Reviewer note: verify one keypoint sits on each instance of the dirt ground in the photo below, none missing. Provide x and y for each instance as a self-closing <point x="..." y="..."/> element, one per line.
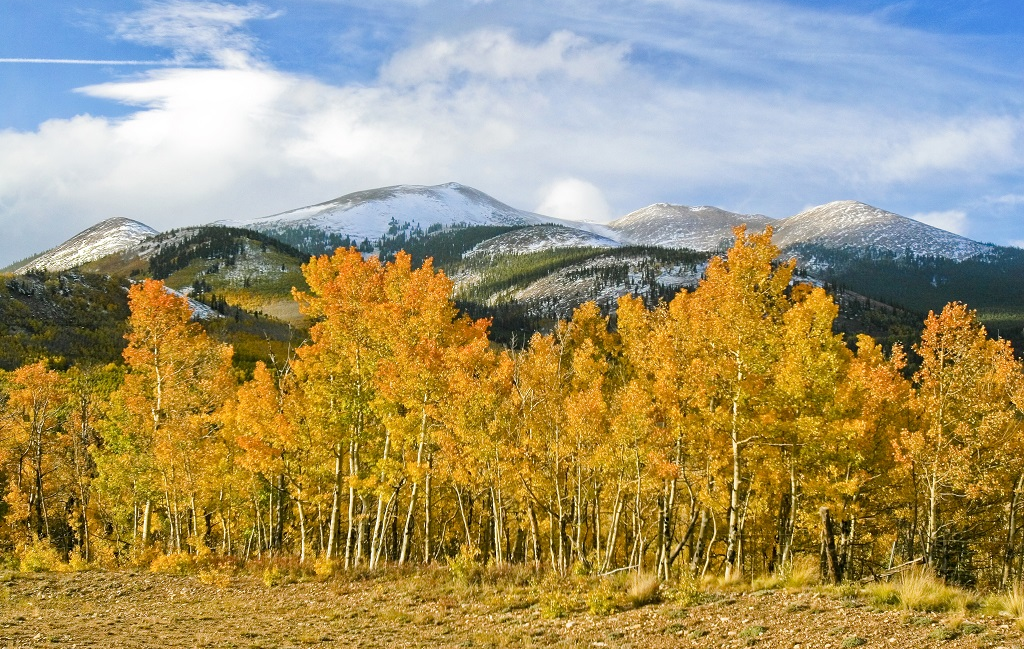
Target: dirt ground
<point x="123" y="609"/>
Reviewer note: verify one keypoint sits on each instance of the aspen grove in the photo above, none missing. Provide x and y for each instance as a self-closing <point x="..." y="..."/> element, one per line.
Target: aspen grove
<point x="728" y="431"/>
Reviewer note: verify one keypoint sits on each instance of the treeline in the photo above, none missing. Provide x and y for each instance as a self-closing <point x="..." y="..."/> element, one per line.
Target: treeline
<point x="727" y="431"/>
<point x="444" y="246"/>
<point x="314" y="241"/>
<point x="219" y="244"/>
<point x="992" y="283"/>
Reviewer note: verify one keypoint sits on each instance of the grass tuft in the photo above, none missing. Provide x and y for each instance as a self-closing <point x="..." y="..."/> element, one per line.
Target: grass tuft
<point x="801" y="573"/>
<point x="645" y="589"/>
<point x="753" y="632"/>
<point x="920" y="590"/>
<point x="1012" y="604"/>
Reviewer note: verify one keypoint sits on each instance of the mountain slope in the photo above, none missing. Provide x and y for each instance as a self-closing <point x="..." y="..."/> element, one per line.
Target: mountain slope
<point x="220" y="265"/>
<point x="104" y="238"/>
<point x="680" y="226"/>
<point x="67" y="317"/>
<point x="374" y="213"/>
<point x="541" y="237"/>
<point x="849" y="224"/>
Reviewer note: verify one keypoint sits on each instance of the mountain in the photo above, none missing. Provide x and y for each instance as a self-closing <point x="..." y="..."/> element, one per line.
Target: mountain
<point x="104" y="238"/>
<point x="404" y="214"/>
<point x="524" y="269"/>
<point x="842" y="225"/>
<point x="376" y="213"/>
<point x="849" y="224"/>
<point x="680" y="226"/>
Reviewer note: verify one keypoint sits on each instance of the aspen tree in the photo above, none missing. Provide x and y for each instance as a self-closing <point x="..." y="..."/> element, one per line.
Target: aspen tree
<point x="739" y="305"/>
<point x="36" y="407"/>
<point x="965" y="407"/>
<point x="166" y="411"/>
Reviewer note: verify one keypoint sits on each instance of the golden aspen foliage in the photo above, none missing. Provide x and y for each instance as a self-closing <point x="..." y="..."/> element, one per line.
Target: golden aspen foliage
<point x="727" y="431"/>
<point x="164" y="425"/>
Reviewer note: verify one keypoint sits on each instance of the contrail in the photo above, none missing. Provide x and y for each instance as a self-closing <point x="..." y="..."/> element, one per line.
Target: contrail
<point x="85" y="62"/>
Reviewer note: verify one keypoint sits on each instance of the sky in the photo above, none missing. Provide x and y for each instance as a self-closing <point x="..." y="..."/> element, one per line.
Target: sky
<point x="178" y="113"/>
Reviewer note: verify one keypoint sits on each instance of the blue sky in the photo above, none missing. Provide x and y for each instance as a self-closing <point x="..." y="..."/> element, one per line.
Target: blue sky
<point x="188" y="112"/>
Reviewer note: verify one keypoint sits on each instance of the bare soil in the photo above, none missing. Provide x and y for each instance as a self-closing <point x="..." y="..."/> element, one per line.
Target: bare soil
<point x="124" y="609"/>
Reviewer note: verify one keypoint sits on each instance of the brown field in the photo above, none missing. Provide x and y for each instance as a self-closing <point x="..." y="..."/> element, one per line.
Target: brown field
<point x="428" y="608"/>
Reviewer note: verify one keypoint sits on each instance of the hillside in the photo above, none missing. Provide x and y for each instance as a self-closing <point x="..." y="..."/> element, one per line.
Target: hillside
<point x="225" y="267"/>
<point x="69" y="317"/>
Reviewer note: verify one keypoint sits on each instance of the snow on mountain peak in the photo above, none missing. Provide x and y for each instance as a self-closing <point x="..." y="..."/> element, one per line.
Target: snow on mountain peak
<point x="852" y="224"/>
<point x="369" y="214"/>
<point x="104" y="238"/>
<point x="681" y="226"/>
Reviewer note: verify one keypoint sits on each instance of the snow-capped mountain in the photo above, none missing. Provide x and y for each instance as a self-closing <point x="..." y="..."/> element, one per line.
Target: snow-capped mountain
<point x="849" y="224"/>
<point x="680" y="226"/>
<point x="541" y="237"/>
<point x="104" y="238"/>
<point x="369" y="214"/>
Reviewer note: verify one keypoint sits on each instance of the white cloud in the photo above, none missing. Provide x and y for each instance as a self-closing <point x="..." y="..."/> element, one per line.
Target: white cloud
<point x="499" y="55"/>
<point x="1009" y="200"/>
<point x="575" y="199"/>
<point x="197" y="32"/>
<point x="954" y="221"/>
<point x="507" y="115"/>
<point x="970" y="146"/>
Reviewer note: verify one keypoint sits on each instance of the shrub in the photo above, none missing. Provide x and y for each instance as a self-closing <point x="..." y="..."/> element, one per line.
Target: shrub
<point x="687" y="591"/>
<point x="601" y="598"/>
<point x="78" y="563"/>
<point x="324" y="567"/>
<point x="853" y="641"/>
<point x="555" y="604"/>
<point x="176" y="563"/>
<point x="40" y="556"/>
<point x="272" y="576"/>
<point x="466" y="567"/>
<point x="216" y="578"/>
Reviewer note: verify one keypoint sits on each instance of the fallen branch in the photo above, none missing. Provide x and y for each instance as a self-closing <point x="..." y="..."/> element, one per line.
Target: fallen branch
<point x="892" y="571"/>
<point x="612" y="572"/>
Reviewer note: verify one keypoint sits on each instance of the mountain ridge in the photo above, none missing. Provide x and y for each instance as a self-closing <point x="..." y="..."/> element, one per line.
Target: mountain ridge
<point x="405" y="212"/>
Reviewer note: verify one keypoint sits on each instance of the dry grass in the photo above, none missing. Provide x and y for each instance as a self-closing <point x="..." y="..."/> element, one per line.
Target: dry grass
<point x="430" y="607"/>
<point x="643" y="590"/>
<point x="1010" y="603"/>
<point x="801" y="573"/>
<point x="920" y="590"/>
